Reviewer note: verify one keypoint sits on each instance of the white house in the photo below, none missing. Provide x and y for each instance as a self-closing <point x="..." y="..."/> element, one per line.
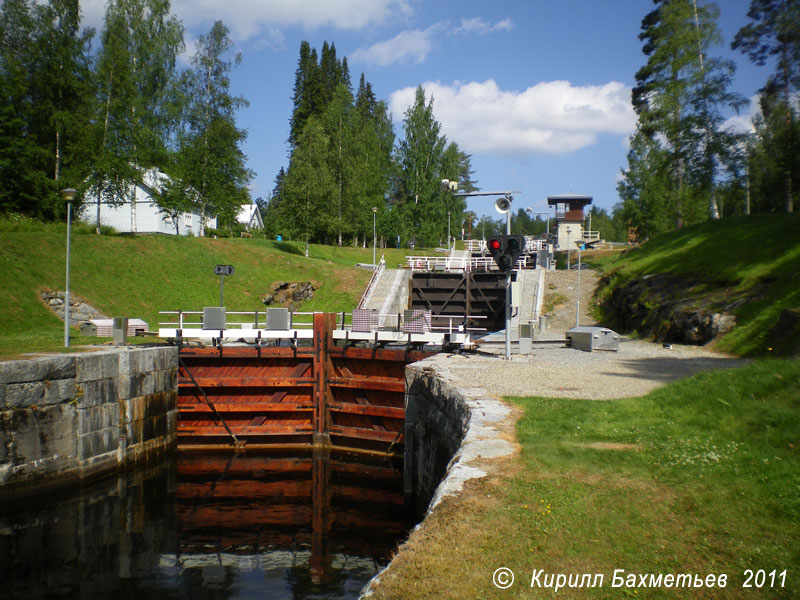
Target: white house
<point x="250" y="216"/>
<point x="143" y="214"/>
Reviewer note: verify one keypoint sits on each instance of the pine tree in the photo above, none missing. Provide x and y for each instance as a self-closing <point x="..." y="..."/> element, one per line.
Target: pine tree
<point x="774" y="31"/>
<point x="418" y="183"/>
<point x="307" y="99"/>
<point x="645" y="187"/>
<point x="61" y="84"/>
<point x="21" y="184"/>
<point x="44" y="73"/>
<point x="679" y="95"/>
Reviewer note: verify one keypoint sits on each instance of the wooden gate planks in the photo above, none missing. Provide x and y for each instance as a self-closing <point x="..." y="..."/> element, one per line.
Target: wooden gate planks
<point x="308" y="396"/>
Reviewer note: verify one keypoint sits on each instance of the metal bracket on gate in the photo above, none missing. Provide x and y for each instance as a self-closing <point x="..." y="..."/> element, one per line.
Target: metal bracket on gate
<point x="236" y="442"/>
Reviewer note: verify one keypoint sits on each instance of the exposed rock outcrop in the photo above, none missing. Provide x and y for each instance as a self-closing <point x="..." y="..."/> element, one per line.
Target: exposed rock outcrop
<point x="661" y="306"/>
<point x="289" y="294"/>
<point x="79" y="309"/>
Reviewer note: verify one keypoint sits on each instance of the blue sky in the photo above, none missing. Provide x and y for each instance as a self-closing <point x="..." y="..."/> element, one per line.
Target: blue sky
<point x="537" y="92"/>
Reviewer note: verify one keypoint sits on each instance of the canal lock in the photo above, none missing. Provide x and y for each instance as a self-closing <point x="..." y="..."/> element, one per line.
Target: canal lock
<point x="312" y="503"/>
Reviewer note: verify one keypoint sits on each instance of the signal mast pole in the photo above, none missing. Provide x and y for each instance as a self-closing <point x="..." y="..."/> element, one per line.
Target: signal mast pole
<point x="502" y="205"/>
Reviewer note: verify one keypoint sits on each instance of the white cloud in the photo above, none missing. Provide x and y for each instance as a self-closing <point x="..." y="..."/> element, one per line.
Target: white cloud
<point x="548" y="118"/>
<point x="407" y="46"/>
<point x="479" y="26"/>
<point x="414" y="45"/>
<point x="251" y="18"/>
<point x="743" y="122"/>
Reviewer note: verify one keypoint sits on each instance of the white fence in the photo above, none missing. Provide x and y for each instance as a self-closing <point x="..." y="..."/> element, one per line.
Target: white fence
<point x="251" y="327"/>
<point x="448" y="264"/>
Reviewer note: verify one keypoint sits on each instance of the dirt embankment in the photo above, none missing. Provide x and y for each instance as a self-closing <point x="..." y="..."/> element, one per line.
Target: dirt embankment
<point x="560" y="293"/>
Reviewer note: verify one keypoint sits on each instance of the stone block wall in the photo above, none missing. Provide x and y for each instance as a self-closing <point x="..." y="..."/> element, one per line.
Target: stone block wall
<point x="437" y="419"/>
<point x="73" y="417"/>
<point x="453" y="434"/>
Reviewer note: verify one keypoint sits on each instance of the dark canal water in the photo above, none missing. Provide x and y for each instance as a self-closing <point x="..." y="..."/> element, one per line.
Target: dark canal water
<point x="211" y="526"/>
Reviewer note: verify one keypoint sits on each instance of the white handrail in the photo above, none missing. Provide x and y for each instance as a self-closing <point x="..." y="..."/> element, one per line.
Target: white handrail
<point x="257" y="315"/>
<point x="447" y="264"/>
<point x="376" y="273"/>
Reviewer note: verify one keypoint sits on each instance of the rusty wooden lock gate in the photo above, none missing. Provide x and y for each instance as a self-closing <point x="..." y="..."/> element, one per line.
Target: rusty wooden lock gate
<point x="294" y="397"/>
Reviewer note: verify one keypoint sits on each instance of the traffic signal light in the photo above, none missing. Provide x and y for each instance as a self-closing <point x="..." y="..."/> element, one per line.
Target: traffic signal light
<point x="506" y="250"/>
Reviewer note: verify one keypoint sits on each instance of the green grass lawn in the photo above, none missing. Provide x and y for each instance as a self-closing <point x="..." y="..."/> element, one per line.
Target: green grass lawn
<point x="751" y="263"/>
<point x="701" y="476"/>
<point x="138" y="276"/>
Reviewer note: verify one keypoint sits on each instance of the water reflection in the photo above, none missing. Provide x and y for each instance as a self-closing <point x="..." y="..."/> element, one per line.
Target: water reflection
<point x="219" y="526"/>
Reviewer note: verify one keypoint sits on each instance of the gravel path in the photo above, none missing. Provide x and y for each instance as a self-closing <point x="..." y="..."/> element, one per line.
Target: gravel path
<point x="559" y="372"/>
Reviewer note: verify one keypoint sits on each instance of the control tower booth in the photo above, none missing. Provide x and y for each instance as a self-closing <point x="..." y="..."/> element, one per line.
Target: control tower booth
<point x="569" y="219"/>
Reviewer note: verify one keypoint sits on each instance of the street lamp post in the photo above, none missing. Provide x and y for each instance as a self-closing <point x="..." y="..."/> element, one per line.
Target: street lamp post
<point x="448" y="231"/>
<point x="578" y="301"/>
<point x="569" y="231"/>
<point x="374" y="234"/>
<point x="69" y="195"/>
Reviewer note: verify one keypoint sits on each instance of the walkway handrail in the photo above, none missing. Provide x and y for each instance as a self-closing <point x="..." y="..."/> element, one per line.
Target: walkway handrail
<point x="447" y="264"/>
<point x="478" y="246"/>
<point x="294" y="322"/>
<point x="534" y="244"/>
<point x="539" y="299"/>
<point x="455" y="323"/>
<point x="376" y="274"/>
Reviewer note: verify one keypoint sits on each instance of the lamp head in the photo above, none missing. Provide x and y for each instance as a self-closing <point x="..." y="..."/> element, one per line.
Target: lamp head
<point x="69" y="194"/>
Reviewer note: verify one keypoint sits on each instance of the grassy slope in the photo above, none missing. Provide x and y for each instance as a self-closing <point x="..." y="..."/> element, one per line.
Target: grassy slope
<point x="700" y="476"/>
<point x="137" y="276"/>
<point x="756" y="257"/>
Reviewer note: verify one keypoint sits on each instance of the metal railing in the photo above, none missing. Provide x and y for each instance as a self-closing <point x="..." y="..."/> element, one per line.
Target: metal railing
<point x="297" y="320"/>
<point x="447" y="264"/>
<point x="376" y="275"/>
<point x="534" y="244"/>
<point x="394" y="322"/>
<point x="475" y="246"/>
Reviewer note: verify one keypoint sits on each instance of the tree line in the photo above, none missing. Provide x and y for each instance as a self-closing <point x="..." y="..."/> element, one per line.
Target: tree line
<point x="98" y="120"/>
<point x="348" y="178"/>
<point x="684" y="164"/>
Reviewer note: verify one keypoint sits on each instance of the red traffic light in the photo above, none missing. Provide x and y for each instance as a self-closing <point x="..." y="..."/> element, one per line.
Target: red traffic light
<point x="495" y="245"/>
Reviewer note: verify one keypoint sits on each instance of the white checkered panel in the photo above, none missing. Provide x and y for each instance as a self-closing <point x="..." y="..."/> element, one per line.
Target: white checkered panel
<point x="417" y="321"/>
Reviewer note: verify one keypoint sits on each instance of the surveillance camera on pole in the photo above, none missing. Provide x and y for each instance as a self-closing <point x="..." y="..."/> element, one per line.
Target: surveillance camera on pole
<point x="449" y="185"/>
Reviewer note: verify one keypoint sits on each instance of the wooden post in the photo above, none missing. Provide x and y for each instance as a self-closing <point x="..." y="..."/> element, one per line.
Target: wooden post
<point x="320" y="561"/>
<point x="323" y="328"/>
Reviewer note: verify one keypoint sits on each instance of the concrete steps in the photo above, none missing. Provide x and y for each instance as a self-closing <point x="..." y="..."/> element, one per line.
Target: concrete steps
<point x="390" y="294"/>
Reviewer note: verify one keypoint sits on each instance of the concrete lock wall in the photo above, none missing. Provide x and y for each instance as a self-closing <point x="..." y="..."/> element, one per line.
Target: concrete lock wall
<point x="436" y="422"/>
<point x="453" y="434"/>
<point x="79" y="416"/>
